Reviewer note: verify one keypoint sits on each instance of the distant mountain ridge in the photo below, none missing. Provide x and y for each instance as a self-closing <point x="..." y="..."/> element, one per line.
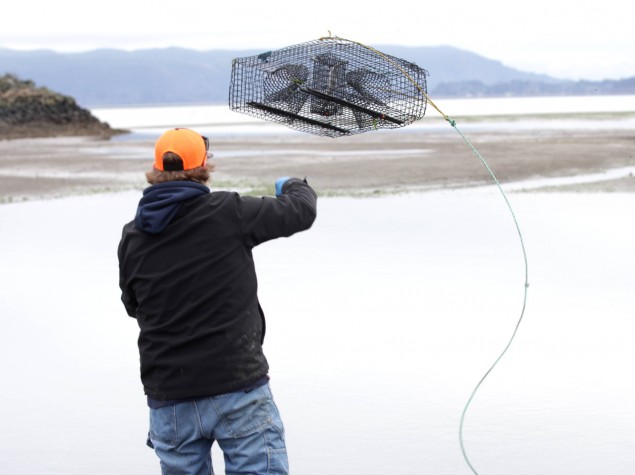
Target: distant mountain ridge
<point x="109" y="77"/>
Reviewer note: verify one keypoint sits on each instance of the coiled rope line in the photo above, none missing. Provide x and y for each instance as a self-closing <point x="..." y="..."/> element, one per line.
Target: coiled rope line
<point x="513" y="214"/>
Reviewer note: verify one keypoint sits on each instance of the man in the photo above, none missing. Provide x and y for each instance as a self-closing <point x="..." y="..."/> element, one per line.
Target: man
<point x="187" y="275"/>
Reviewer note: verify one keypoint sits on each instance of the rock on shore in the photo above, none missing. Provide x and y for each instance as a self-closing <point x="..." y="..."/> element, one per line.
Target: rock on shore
<point x="30" y="111"/>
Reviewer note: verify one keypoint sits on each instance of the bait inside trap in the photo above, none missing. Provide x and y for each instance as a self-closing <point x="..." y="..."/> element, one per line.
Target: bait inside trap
<point x="330" y="87"/>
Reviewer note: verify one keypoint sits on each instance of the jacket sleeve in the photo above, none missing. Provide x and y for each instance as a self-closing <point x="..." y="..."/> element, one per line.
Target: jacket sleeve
<point x="266" y="218"/>
<point x="127" y="295"/>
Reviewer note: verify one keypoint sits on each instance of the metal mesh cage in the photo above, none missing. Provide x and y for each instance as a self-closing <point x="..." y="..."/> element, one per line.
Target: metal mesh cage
<point x="329" y="86"/>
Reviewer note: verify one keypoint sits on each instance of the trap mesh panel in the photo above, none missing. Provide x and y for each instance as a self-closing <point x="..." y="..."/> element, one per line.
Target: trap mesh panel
<point x="329" y="87"/>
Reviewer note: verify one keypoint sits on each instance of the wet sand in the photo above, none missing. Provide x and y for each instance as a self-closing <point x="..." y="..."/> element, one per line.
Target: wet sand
<point x="367" y="164"/>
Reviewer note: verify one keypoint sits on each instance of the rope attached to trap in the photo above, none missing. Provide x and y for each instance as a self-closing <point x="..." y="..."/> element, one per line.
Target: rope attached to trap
<point x="526" y="286"/>
<point x="513" y="214"/>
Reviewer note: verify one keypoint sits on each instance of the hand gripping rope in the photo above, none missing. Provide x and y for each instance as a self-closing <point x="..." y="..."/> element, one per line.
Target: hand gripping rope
<point x="333" y="86"/>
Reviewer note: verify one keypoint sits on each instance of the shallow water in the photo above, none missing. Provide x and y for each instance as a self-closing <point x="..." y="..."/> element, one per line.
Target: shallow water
<point x="381" y="319"/>
<point x="219" y="119"/>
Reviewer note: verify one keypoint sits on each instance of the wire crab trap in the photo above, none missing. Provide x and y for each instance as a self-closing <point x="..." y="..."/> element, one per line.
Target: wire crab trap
<point x="330" y="87"/>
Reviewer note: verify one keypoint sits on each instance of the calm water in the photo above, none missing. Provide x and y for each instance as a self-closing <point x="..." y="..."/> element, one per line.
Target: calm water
<point x="220" y="119"/>
<point x="381" y="320"/>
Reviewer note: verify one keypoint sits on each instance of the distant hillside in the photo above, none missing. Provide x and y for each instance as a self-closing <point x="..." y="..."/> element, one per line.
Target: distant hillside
<point x="114" y="77"/>
<point x="182" y="76"/>
<point x="449" y="64"/>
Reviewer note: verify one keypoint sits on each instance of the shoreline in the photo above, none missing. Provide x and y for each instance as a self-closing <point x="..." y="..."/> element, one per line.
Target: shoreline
<point x="384" y="162"/>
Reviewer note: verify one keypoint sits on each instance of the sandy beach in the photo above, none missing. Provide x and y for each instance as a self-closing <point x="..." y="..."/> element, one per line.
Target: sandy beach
<point x="415" y="159"/>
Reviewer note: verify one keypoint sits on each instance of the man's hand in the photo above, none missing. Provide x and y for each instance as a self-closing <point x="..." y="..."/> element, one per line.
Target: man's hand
<point x="280" y="183"/>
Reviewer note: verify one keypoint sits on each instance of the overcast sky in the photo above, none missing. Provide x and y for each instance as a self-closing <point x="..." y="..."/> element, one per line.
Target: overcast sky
<point x="576" y="39"/>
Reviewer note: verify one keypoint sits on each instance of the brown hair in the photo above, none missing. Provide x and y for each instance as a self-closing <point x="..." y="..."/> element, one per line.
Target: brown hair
<point x="199" y="174"/>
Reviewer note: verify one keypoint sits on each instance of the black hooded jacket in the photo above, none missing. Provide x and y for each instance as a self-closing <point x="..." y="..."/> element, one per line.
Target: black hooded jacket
<point x="187" y="275"/>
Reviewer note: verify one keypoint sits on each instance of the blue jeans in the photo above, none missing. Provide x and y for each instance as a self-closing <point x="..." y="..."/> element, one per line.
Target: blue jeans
<point x="246" y="425"/>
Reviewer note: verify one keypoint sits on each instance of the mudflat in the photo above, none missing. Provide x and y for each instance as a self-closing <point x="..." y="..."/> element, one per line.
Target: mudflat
<point x="368" y="164"/>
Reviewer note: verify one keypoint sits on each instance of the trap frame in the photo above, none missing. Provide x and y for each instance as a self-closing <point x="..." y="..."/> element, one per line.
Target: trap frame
<point x="330" y="87"/>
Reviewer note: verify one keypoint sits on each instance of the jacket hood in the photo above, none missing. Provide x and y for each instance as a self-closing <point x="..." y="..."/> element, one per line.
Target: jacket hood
<point x="160" y="203"/>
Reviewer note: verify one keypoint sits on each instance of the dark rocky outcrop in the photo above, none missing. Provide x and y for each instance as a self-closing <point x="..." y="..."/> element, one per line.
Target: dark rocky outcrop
<point x="30" y="111"/>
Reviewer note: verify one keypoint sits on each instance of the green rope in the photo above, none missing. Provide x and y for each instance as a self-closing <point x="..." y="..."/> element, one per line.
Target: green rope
<point x="522" y="313"/>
